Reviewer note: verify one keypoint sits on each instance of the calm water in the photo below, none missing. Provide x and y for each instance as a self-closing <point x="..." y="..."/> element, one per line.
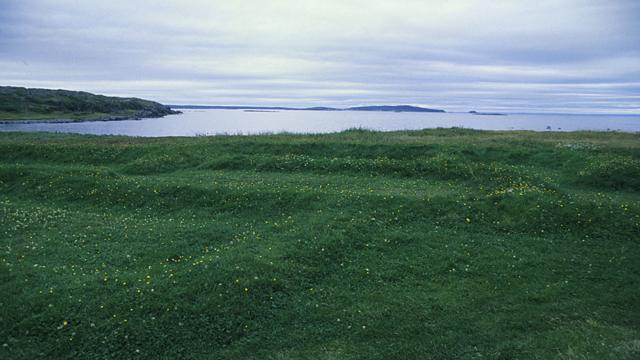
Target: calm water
<point x="211" y="122"/>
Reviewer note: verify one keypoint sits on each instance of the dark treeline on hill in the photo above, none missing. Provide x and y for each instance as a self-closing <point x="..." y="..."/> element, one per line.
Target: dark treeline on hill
<point x="18" y="103"/>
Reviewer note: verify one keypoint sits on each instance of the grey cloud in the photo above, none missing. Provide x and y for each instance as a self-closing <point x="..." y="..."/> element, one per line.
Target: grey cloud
<point x="575" y="55"/>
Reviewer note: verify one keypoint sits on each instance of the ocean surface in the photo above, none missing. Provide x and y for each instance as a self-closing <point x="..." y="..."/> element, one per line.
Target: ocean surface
<point x="195" y="122"/>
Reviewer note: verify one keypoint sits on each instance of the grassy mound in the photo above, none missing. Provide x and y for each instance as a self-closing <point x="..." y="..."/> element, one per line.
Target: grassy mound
<point x="443" y="244"/>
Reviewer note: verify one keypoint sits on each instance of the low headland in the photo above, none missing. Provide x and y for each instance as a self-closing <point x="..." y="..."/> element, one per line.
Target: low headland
<point x="18" y="104"/>
<point x="27" y="105"/>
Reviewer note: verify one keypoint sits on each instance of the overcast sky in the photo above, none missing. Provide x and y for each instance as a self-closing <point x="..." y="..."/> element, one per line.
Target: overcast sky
<point x="541" y="56"/>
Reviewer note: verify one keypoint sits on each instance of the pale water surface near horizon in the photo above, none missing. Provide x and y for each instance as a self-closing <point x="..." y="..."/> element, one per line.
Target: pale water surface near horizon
<point x="194" y="122"/>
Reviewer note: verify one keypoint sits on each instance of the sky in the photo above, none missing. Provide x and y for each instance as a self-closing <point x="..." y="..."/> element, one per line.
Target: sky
<point x="574" y="56"/>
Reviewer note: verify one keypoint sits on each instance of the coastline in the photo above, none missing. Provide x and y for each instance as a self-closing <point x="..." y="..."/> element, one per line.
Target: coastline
<point x="64" y="121"/>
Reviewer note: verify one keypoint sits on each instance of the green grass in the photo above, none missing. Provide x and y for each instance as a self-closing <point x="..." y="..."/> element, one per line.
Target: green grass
<point x="435" y="244"/>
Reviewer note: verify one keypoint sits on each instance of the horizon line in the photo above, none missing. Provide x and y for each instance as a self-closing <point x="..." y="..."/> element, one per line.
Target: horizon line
<point x="310" y="108"/>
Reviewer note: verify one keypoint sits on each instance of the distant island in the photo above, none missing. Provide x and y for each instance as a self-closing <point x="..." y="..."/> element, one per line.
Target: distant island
<point x="388" y="108"/>
<point x="486" y="113"/>
<point x="394" y="108"/>
<point x="24" y="104"/>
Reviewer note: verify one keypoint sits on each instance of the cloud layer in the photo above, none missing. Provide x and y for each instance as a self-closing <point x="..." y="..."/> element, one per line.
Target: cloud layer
<point x="542" y="56"/>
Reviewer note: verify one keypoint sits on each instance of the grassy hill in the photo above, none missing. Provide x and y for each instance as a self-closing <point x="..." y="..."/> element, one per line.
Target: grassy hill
<point x="17" y="103"/>
<point x="436" y="244"/>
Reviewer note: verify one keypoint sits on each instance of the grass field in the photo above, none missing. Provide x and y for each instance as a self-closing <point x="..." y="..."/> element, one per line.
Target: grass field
<point x="436" y="244"/>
